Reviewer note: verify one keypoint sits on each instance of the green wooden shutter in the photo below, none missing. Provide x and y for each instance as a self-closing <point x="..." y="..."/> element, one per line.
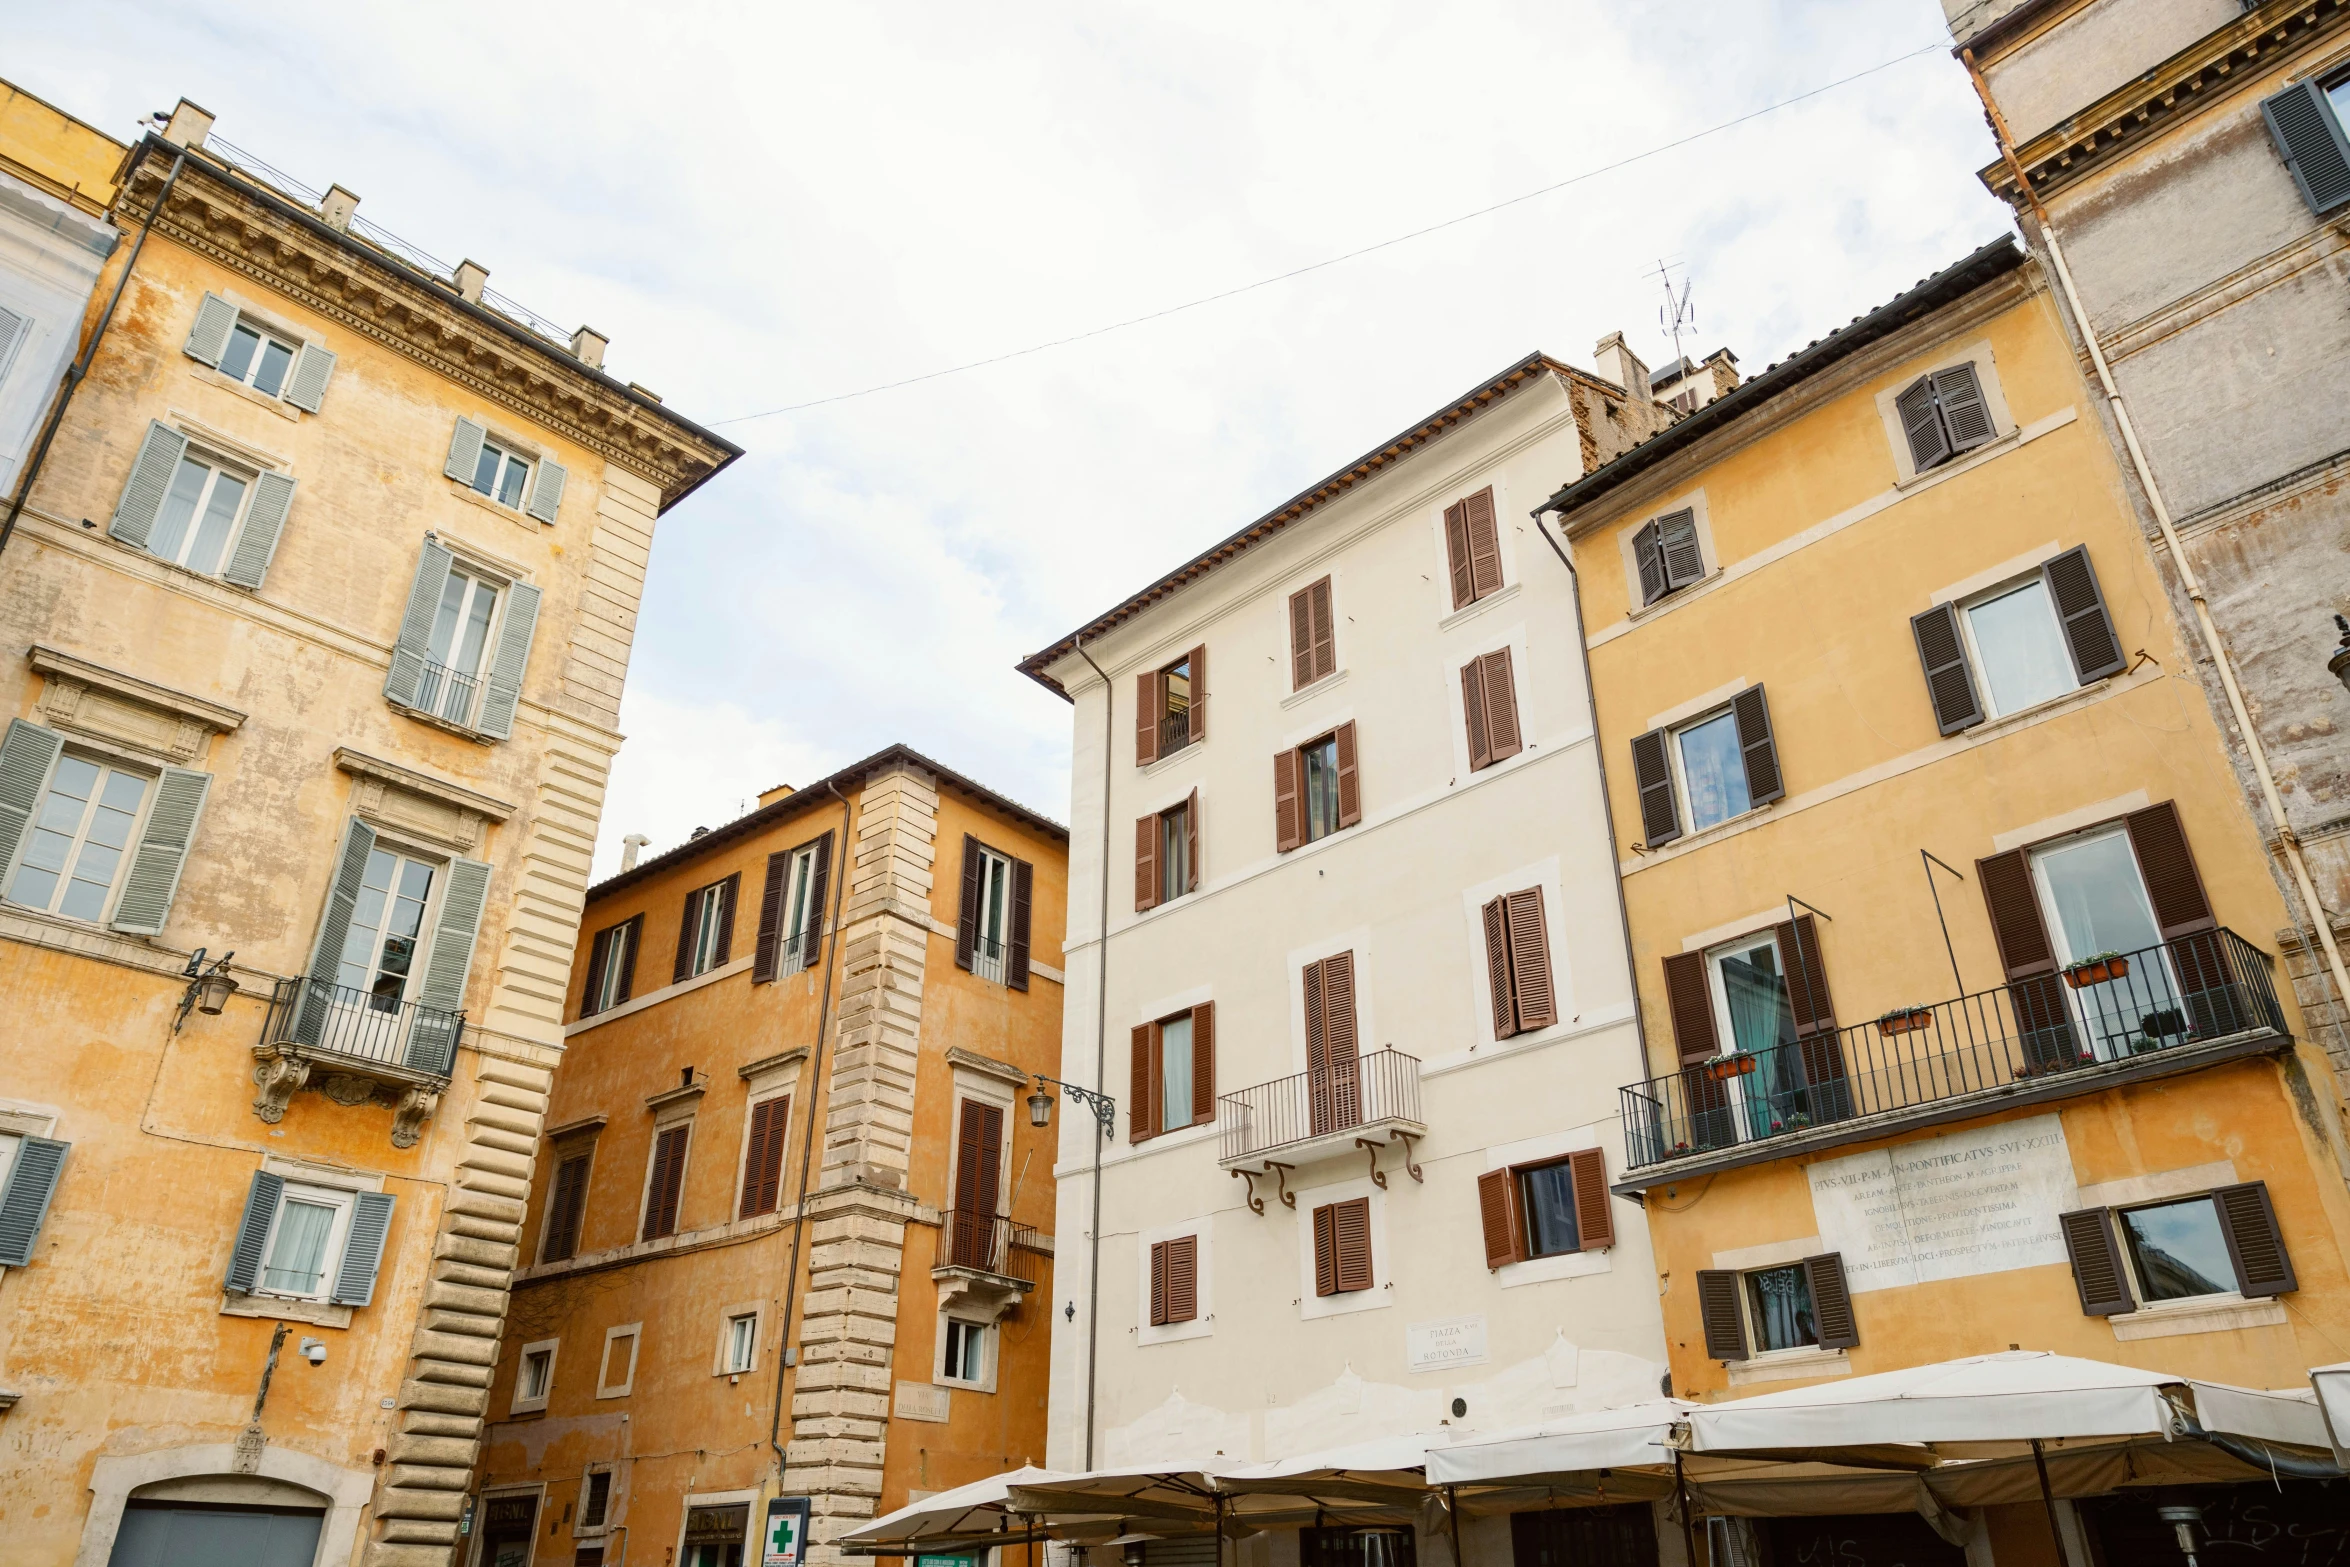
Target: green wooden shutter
<point x="334" y="927"/>
<point x="465" y="450"/>
<point x="26" y="756"/>
<point x="265" y="519"/>
<point x="244" y="1258"/>
<point x="546" y="489"/>
<point x="1921" y="421"/>
<point x="208" y="338"/>
<point x="2080" y="607"/>
<point x="414" y="644"/>
<point x="306" y="387"/>
<point x="24" y="1201"/>
<point x="363" y="1253"/>
<point x="503" y="690"/>
<point x="433" y="1045"/>
<point x="150" y="481"/>
<point x="1652" y="775"/>
<point x="1758" y="746"/>
<point x="2311" y="141"/>
<point x="1950" y="684"/>
<point x="162" y="851"/>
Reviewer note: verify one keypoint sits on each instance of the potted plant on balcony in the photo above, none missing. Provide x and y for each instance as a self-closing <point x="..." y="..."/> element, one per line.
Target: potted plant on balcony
<point x="1904" y="1020"/>
<point x="2157" y="1028"/>
<point x="2096" y="969"/>
<point x="1722" y="1068"/>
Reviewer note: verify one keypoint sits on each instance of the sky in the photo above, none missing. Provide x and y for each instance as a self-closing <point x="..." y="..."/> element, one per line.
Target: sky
<point x="773" y="205"/>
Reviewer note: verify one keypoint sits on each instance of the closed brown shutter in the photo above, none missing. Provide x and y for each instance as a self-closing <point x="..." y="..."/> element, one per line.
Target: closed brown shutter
<point x="1198" y="717"/>
<point x="685" y="939"/>
<point x="2173" y="885"/>
<point x="1831" y="1301"/>
<point x="2043" y="1021"/>
<point x="1497" y="968"/>
<point x="599" y="953"/>
<point x="1950" y="684"/>
<point x="1150" y="705"/>
<point x="1350" y="1224"/>
<point x="1595" y="1210"/>
<point x="1652" y="774"/>
<point x="635" y="927"/>
<point x="2080" y="607"/>
<point x="1456" y="551"/>
<point x="1717" y="1307"/>
<point x="1497" y="1211"/>
<point x="770" y="916"/>
<point x="1288" y="807"/>
<point x="1203" y="1063"/>
<point x="1325" y="630"/>
<point x="1338" y="998"/>
<point x="979" y="1158"/>
<point x="819" y="884"/>
<point x="2255" y="1245"/>
<point x="1146" y="863"/>
<point x="1325" y="1251"/>
<point x="967" y="914"/>
<point x="564" y="1207"/>
<point x="763" y="1161"/>
<point x="1473" y="711"/>
<point x="1691" y="1003"/>
<point x="1023" y="901"/>
<point x="1182" y="1278"/>
<point x="1142" y="1124"/>
<point x="727" y="890"/>
<point x="1313" y="644"/>
<point x="1501" y="706"/>
<point x="1484" y="543"/>
<point x="668" y="1182"/>
<point x="1761" y="750"/>
<point x="1537" y="1001"/>
<point x="1350" y="789"/>
<point x="2097" y="1262"/>
<point x="1191" y="861"/>
<point x="1158" y="1284"/>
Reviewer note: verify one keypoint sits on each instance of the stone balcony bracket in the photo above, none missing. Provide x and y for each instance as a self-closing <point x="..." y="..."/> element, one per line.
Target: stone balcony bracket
<point x="282" y="1069"/>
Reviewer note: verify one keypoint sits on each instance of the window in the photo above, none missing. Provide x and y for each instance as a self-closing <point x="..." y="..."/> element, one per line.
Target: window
<point x="664" y="1182"/>
<point x="595" y="1498"/>
<point x="500" y="474"/>
<point x="799" y="883"/>
<point x="1943" y="415"/>
<point x="259" y="360"/>
<point x="976" y="1234"/>
<point x="1795" y="1306"/>
<point x="200" y="514"/>
<point x="611" y="975"/>
<point x="994" y="910"/>
<point x="1713" y="772"/>
<point x="1667" y="555"/>
<point x="616" y="1377"/>
<point x="464" y="644"/>
<point x="1316" y="790"/>
<point x="991" y="924"/>
<point x="1778" y="1304"/>
<point x="1166" y="854"/>
<point x="1334" y="1085"/>
<point x="965" y="1358"/>
<point x="2178" y="1250"/>
<point x="1763" y="996"/>
<point x="1718" y="765"/>
<point x="566" y="1204"/>
<point x="705" y="934"/>
<point x="451" y="686"/>
<point x="252" y="354"/>
<point x="380" y="953"/>
<point x="1313" y="641"/>
<point x="2184" y="1248"/>
<point x="2306" y="121"/>
<point x="1517" y="964"/>
<point x="78" y="841"/>
<point x="310" y="1225"/>
<point x="1547" y="1208"/>
<point x="791" y="911"/>
<point x="2018" y="645"/>
<point x="742" y="1341"/>
<point x="1171" y="707"/>
<point x="763" y="1158"/>
<point x="2015" y="641"/>
<point x="1174" y="1072"/>
<point x="534" y="1375"/>
<point x="1342" y="1247"/>
<point x="301" y="1241"/>
<point x="2095" y="902"/>
<point x="1489" y="701"/>
<point x="1472" y="548"/>
<point x="1174" y="1281"/>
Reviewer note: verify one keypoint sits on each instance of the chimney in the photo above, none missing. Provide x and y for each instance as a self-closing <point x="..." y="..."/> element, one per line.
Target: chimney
<point x="1723" y="366"/>
<point x="588" y="345"/>
<point x="628" y="850"/>
<point x="189" y="125"/>
<point x="338" y="207"/>
<point x="770" y="796"/>
<point x="471" y="275"/>
<point x="1619" y="364"/>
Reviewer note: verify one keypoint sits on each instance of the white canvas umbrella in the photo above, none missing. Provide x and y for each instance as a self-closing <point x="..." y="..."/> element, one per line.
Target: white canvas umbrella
<point x="1636" y="1436"/>
<point x="2015" y="1396"/>
<point x="2331" y="1386"/>
<point x="967" y="1514"/>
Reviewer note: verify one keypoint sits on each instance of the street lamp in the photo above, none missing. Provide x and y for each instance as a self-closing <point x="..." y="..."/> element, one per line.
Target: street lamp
<point x="1040" y="1108"/>
<point x="1040" y="1104"/>
<point x="2340" y="662"/>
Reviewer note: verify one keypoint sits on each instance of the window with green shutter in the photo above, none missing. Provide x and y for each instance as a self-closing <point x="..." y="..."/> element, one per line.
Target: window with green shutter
<point x="464" y="642"/>
<point x="193" y="507"/>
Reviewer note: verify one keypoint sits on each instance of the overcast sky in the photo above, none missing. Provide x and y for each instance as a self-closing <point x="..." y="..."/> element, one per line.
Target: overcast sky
<point x="765" y="205"/>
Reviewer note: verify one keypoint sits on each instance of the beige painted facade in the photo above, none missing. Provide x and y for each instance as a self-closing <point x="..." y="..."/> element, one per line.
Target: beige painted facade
<point x="217" y="646"/>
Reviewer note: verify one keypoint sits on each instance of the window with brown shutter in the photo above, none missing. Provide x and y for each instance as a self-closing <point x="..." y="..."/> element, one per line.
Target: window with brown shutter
<point x="1350" y="794"/>
<point x="2043" y="1019"/>
<point x="1668" y="554"/>
<point x="1472" y="544"/>
<point x="1549" y="1208"/>
<point x="666" y="1184"/>
<point x="1174" y="1281"/>
<point x="1142" y="1119"/>
<point x="1517" y="961"/>
<point x="1317" y="789"/>
<point x="1194" y="1104"/>
<point x="706" y="930"/>
<point x="1166" y="854"/>
<point x="611" y="973"/>
<point x="599" y="953"/>
<point x="1333" y="1084"/>
<point x="1489" y="700"/>
<point x="2097" y="1262"/>
<point x="1342" y="1247"/>
<point x="1760" y="748"/>
<point x="979" y="1159"/>
<point x="1150" y="712"/>
<point x="1023" y="911"/>
<point x="1203" y="1063"/>
<point x="2080" y="609"/>
<point x="1652" y="775"/>
<point x="770" y="916"/>
<point x="1313" y="641"/>
<point x="2255" y="1245"/>
<point x="1146" y="862"/>
<point x="1497" y="1212"/>
<point x="1831" y="1301"/>
<point x="565" y="1206"/>
<point x="1288" y="802"/>
<point x="1595" y="1214"/>
<point x="1943" y="414"/>
<point x="1721" y="1313"/>
<point x="763" y="1158"/>
<point x="967" y="910"/>
<point x="1705" y="1099"/>
<point x="1950" y="683"/>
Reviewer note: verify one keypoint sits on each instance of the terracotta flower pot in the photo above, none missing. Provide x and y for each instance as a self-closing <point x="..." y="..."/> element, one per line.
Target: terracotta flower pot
<point x="2083" y="975"/>
<point x="1908" y="1022"/>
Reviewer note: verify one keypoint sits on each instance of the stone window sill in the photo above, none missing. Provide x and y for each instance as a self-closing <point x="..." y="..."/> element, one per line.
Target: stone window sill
<point x="1305" y="694"/>
<point x="316" y="1313"/>
<point x="2204" y="1314"/>
<point x="276" y="405"/>
<point x="1471" y="610"/>
<point x="1790" y="1365"/>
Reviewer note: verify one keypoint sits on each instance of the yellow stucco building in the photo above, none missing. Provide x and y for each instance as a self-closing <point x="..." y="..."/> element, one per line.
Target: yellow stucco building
<point x="1955" y="945"/>
<point x="318" y="589"/>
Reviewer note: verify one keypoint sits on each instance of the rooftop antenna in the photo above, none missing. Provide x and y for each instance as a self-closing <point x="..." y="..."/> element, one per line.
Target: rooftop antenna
<point x="1677" y="315"/>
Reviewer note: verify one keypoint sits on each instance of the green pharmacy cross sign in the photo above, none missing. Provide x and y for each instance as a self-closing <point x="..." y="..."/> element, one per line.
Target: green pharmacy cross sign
<point x="784" y="1542"/>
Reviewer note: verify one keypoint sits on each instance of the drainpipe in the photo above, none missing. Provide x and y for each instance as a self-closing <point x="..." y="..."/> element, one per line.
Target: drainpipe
<point x="784" y="1359"/>
<point x="81" y="365"/>
<point x="1101" y="1055"/>
<point x="2193" y="585"/>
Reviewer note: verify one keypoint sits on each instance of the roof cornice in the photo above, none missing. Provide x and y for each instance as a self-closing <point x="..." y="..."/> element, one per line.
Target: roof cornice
<point x="239" y="224"/>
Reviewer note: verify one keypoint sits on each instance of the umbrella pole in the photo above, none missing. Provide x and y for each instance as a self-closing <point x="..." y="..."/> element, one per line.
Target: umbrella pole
<point x="2048" y="1500"/>
<point x="1681" y="1500"/>
<point x="1452" y="1512"/>
<point x="1219" y="1529"/>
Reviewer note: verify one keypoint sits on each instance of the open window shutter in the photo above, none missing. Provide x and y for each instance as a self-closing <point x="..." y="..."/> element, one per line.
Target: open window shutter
<point x="265" y="520"/>
<point x="1921" y="421"/>
<point x="1191" y="834"/>
<point x="725" y="944"/>
<point x="1350" y="788"/>
<point x="1763" y="781"/>
<point x="502" y="692"/>
<point x="1146" y="863"/>
<point x="1456" y="551"/>
<point x="432" y="1044"/>
<point x="162" y="852"/>
<point x="1717" y="1307"/>
<point x="2034" y="993"/>
<point x="1473" y="709"/>
<point x="819" y="884"/>
<point x="1023" y="900"/>
<point x="1595" y="1213"/>
<point x="149" y="482"/>
<point x="1197" y="718"/>
<point x="546" y="489"/>
<point x="1950" y="684"/>
<point x="2311" y="142"/>
<point x="1317" y="1049"/>
<point x="1831" y="1301"/>
<point x="1158" y="1284"/>
<point x="2173" y="886"/>
<point x="1150" y="703"/>
<point x="563" y="1209"/>
<point x="2080" y="606"/>
<point x="2097" y="1262"/>
<point x="1966" y="418"/>
<point x="24" y="1202"/>
<point x="1652" y="774"/>
<point x="1338" y="1003"/>
<point x="1497" y="1212"/>
<point x="1484" y="544"/>
<point x="770" y="916"/>
<point x="1142" y="1124"/>
<point x="26" y="755"/>
<point x="967" y="913"/>
<point x="2255" y="1245"/>
<point x="1288" y="808"/>
<point x="1301" y="638"/>
<point x="14" y="328"/>
<point x="1807" y="977"/>
<point x="1325" y="632"/>
<point x="1501" y="706"/>
<point x="244" y="1258"/>
<point x="326" y="953"/>
<point x="1203" y="1063"/>
<point x="687" y="938"/>
<point x="1351" y="1225"/>
<point x="306" y="387"/>
<point x="1537" y="1001"/>
<point x="1692" y="1007"/>
<point x="363" y="1253"/>
<point x="1325" y="1250"/>
<point x="1182" y="1279"/>
<point x="464" y="450"/>
<point x="662" y="1148"/>
<point x="1676" y="542"/>
<point x="1648" y="554"/>
<point x="413" y="646"/>
<point x="633" y="939"/>
<point x="1497" y="968"/>
<point x="208" y="338"/>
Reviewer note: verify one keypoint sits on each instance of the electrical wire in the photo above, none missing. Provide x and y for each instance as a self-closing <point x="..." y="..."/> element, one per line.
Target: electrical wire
<point x="1626" y="162"/>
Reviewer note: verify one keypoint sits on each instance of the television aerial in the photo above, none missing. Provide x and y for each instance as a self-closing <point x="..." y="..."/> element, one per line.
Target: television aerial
<point x="1678" y="315"/>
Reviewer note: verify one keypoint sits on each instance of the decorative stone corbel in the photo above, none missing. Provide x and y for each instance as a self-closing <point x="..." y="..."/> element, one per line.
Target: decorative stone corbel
<point x="416" y="1108"/>
<point x="280" y="1074"/>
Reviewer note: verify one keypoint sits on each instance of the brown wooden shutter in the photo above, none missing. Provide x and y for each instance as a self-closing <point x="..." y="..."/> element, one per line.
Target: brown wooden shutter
<point x="1831" y="1301"/>
<point x="685" y="939"/>
<point x="1143" y="1124"/>
<point x="726" y="894"/>
<point x="1761" y="750"/>
<point x="1473" y="711"/>
<point x="1484" y="543"/>
<point x="1677" y="545"/>
<point x="1150" y="704"/>
<point x="967" y="915"/>
<point x="819" y="884"/>
<point x="1691" y="1002"/>
<point x="1023" y="901"/>
<point x="1497" y="968"/>
<point x="1158" y="1284"/>
<point x="2043" y="1019"/>
<point x="1950" y="684"/>
<point x="2173" y="886"/>
<point x="1921" y="422"/>
<point x="754" y="1156"/>
<point x="635" y="926"/>
<point x="1497" y="1211"/>
<point x="661" y="1196"/>
<point x="2080" y="609"/>
<point x="1501" y="706"/>
<point x="770" y="917"/>
<point x="1288" y="806"/>
<point x="2097" y="1262"/>
<point x="1191" y="834"/>
<point x="1198" y="718"/>
<point x="1648" y="554"/>
<point x="1338" y="1000"/>
<point x="1301" y="638"/>
<point x="1182" y="1262"/>
<point x="979" y="1158"/>
<point x="1325" y="630"/>
<point x="2255" y="1245"/>
<point x="1807" y="977"/>
<point x="763" y="1161"/>
<point x="599" y="954"/>
<point x="564" y="1207"/>
<point x="1146" y="863"/>
<point x="1325" y="1251"/>
<point x="1595" y="1210"/>
<point x="1965" y="416"/>
<point x="1652" y="773"/>
<point x="1203" y="1063"/>
<point x="1456" y="550"/>
<point x="1537" y="1001"/>
<point x="1350" y="1224"/>
<point x="1350" y="789"/>
<point x="1320" y="1118"/>
<point x="1717" y="1307"/>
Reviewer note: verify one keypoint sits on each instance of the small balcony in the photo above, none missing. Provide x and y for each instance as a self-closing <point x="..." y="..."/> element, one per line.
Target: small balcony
<point x="447" y="694"/>
<point x="1373" y="1099"/>
<point x="1174" y="733"/>
<point x="358" y="1046"/>
<point x="2168" y="1009"/>
<point x="985" y="1262"/>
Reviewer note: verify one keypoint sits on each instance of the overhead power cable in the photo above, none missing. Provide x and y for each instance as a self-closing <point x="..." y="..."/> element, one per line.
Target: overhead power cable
<point x="1626" y="162"/>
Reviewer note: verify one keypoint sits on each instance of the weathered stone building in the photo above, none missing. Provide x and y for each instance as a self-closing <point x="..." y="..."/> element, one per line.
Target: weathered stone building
<point x="313" y="621"/>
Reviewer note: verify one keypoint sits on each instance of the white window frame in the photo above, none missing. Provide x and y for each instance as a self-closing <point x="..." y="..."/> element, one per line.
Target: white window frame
<point x="1980" y="669"/>
<point x="1688" y="800"/>
<point x="216" y="463"/>
<point x="440" y="863"/>
<point x="737" y="1352"/>
<point x="509" y="459"/>
<point x="478" y="578"/>
<point x="267" y="334"/>
<point x="106" y="762"/>
<point x="710" y="904"/>
<point x="522" y="1402"/>
<point x="580" y="1528"/>
<point x="983" y="965"/>
<point x="338" y="1237"/>
<point x="605" y="1386"/>
<point x="604" y="986"/>
<point x="2136" y="1284"/>
<point x="2061" y="948"/>
<point x="791" y="952"/>
<point x="1755" y="1351"/>
<point x="948" y="1323"/>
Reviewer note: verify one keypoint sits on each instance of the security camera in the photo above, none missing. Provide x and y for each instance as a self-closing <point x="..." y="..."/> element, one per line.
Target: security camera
<point x="314" y="1351"/>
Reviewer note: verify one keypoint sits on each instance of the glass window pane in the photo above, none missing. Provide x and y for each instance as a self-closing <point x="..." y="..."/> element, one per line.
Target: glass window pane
<point x="991" y="906"/>
<point x="1175" y="1073"/>
<point x="803" y="869"/>
<point x="2179" y="1250"/>
<point x="1780" y="1302"/>
<point x="220" y="515"/>
<point x="2023" y="655"/>
<point x="1549" y="1195"/>
<point x="297" y="1253"/>
<point x="1175" y="852"/>
<point x="448" y="618"/>
<point x="238" y="360"/>
<point x="485" y="469"/>
<point x="1321" y="787"/>
<point x="1761" y="1016"/>
<point x="534" y="1374"/>
<point x="1715" y="770"/>
<point x="2339" y="96"/>
<point x="276" y="359"/>
<point x="477" y="629"/>
<point x="510" y="482"/>
<point x="2100" y="904"/>
<point x="179" y="509"/>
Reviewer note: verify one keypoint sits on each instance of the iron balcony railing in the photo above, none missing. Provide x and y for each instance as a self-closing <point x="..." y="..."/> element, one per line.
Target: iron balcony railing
<point x="447" y="693"/>
<point x="359" y="1025"/>
<point x="2196" y="988"/>
<point x="988" y="1242"/>
<point x="1174" y="733"/>
<point x="1379" y="1087"/>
